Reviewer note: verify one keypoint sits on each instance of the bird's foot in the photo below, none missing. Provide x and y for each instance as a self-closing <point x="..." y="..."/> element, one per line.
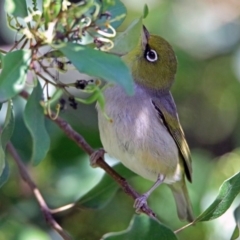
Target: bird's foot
<point x="95" y="156"/>
<point x="140" y="202"/>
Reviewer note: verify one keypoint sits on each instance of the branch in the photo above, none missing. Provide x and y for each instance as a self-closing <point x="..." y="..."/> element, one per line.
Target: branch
<point x="44" y="208"/>
<point x="81" y="142"/>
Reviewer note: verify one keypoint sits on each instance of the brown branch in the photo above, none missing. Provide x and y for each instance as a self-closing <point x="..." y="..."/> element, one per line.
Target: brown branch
<point x="16" y="43"/>
<point x="44" y="208"/>
<point x="81" y="142"/>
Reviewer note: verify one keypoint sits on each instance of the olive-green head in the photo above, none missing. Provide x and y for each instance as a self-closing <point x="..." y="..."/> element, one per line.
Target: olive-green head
<point x="152" y="62"/>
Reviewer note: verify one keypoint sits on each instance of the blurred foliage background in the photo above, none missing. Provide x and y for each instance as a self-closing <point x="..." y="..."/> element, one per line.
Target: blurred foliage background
<point x="206" y="38"/>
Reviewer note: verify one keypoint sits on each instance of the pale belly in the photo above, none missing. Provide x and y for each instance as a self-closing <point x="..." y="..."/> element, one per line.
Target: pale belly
<point x="139" y="139"/>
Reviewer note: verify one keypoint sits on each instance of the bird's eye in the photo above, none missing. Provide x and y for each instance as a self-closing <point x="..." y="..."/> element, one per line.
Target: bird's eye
<point x="151" y="55"/>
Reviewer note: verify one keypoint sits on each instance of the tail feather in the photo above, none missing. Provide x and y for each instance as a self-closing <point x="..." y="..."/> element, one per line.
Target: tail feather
<point x="183" y="204"/>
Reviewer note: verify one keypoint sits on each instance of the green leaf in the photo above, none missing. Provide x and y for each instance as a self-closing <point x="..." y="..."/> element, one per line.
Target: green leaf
<point x="8" y="125"/>
<point x="143" y="228"/>
<point x="35" y="122"/>
<point x="51" y="10"/>
<point x="99" y="64"/>
<point x="127" y="40"/>
<point x="227" y="193"/>
<point x="5" y="174"/>
<point x="99" y="196"/>
<point x="235" y="234"/>
<point x="14" y="73"/>
<point x="117" y="10"/>
<point x="17" y="8"/>
<point x="52" y="54"/>
<point x="5" y="136"/>
<point x="145" y="11"/>
<point x="34" y="3"/>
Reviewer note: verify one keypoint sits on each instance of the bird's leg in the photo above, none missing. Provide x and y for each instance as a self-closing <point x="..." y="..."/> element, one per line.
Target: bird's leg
<point x="141" y="200"/>
<point x="95" y="156"/>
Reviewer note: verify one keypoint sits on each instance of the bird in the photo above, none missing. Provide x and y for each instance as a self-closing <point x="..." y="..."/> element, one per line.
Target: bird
<point x="145" y="133"/>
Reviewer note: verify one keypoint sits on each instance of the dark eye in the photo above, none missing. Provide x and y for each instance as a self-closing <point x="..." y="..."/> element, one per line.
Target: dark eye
<point x="151" y="55"/>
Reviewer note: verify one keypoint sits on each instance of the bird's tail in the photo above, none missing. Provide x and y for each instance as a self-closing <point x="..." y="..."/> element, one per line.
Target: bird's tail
<point x="184" y="207"/>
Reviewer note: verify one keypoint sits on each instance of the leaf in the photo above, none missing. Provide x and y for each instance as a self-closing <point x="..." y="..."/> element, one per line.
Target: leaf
<point x="35" y="122"/>
<point x="17" y="8"/>
<point x="227" y="193"/>
<point x="235" y="234"/>
<point x="5" y="136"/>
<point x="143" y="228"/>
<point x="8" y="125"/>
<point x="145" y="11"/>
<point x="34" y="3"/>
<point x="117" y="10"/>
<point x="52" y="54"/>
<point x="51" y="10"/>
<point x="99" y="64"/>
<point x="5" y="174"/>
<point x="127" y="40"/>
<point x="99" y="196"/>
<point x="14" y="73"/>
<point x="115" y="216"/>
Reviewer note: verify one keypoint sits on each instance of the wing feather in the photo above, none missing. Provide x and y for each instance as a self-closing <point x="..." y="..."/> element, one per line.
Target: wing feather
<point x="168" y="113"/>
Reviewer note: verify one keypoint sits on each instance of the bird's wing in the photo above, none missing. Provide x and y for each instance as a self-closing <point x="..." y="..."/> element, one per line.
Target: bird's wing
<point x="168" y="113"/>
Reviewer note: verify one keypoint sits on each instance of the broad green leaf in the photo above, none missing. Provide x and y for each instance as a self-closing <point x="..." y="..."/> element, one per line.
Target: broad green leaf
<point x="35" y="122"/>
<point x="127" y="40"/>
<point x="115" y="216"/>
<point x="99" y="64"/>
<point x="14" y="73"/>
<point x="5" y="135"/>
<point x="17" y="8"/>
<point x="143" y="228"/>
<point x="104" y="191"/>
<point x="117" y="10"/>
<point x="145" y="11"/>
<point x="227" y="193"/>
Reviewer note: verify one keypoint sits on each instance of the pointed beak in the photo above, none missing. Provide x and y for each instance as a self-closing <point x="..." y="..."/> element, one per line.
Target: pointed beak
<point x="145" y="37"/>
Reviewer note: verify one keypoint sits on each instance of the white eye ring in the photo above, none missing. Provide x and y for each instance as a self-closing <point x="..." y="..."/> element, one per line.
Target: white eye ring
<point x="151" y="56"/>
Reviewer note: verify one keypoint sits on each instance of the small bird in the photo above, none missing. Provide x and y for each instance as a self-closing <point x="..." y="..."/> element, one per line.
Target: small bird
<point x="145" y="133"/>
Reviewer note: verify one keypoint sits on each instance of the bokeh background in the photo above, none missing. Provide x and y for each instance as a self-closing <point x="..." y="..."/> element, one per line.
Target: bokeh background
<point x="205" y="35"/>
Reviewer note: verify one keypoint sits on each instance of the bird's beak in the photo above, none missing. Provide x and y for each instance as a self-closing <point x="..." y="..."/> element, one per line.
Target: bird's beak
<point x="145" y="37"/>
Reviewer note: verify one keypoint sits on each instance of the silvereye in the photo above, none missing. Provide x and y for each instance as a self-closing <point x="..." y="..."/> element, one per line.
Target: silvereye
<point x="145" y="133"/>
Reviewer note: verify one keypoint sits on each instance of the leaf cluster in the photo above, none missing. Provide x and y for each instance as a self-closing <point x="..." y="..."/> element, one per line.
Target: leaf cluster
<point x="82" y="36"/>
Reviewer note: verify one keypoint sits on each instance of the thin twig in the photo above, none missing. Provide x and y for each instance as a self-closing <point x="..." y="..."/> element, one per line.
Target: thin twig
<point x="45" y="79"/>
<point x="2" y="51"/>
<point x="81" y="142"/>
<point x="24" y="44"/>
<point x="182" y="228"/>
<point x="46" y="70"/>
<point x="63" y="208"/>
<point x="44" y="208"/>
<point x="16" y="43"/>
